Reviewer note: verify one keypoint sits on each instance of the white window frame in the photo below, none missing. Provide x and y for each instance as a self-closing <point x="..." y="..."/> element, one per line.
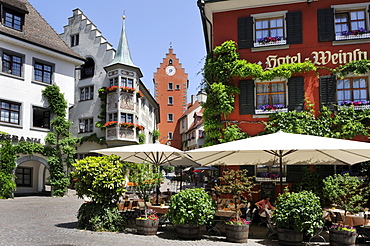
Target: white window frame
<point x="170" y="86"/>
<point x="170" y="101"/>
<point x="270" y="15"/>
<point x="170" y="117"/>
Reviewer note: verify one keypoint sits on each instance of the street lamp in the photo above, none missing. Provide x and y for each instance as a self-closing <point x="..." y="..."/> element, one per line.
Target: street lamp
<point x="202" y="96"/>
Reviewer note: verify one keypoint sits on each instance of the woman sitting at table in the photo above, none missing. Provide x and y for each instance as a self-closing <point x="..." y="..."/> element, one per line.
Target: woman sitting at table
<point x="264" y="206"/>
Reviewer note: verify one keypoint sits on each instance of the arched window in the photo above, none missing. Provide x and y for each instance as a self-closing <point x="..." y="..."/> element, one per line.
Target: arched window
<point x="87" y="70"/>
<point x="170" y="62"/>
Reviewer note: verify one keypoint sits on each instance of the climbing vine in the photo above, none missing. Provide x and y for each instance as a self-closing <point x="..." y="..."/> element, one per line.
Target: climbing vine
<point x="59" y="141"/>
<point x="222" y="67"/>
<point x="7" y="166"/>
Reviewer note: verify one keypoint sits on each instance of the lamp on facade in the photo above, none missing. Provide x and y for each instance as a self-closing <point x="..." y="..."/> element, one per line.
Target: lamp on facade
<point x="202" y="96"/>
<point x="82" y="126"/>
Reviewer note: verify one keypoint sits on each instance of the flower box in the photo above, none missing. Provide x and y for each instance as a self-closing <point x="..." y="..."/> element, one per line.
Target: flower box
<point x="261" y="179"/>
<point x="258" y="44"/>
<point x="350" y="37"/>
<point x="260" y="111"/>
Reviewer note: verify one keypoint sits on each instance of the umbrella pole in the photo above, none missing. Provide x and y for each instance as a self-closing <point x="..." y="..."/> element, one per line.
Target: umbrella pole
<point x="180" y="179"/>
<point x="281" y="172"/>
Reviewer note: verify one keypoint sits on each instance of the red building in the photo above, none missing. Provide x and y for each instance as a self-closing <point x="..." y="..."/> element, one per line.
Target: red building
<point x="170" y="92"/>
<point x="329" y="33"/>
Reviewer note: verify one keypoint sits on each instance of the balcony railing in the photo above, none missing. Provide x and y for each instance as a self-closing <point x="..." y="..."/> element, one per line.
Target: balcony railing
<point x="262" y="179"/>
<point x="281" y="42"/>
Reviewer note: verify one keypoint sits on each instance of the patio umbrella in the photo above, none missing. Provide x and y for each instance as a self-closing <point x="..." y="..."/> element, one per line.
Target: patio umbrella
<point x="294" y="149"/>
<point x="157" y="154"/>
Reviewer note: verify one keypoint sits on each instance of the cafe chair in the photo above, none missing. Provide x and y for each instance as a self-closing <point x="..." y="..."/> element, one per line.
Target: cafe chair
<point x="317" y="233"/>
<point x="271" y="229"/>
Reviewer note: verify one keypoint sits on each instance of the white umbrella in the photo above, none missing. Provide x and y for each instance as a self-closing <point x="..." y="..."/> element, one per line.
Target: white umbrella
<point x="296" y="149"/>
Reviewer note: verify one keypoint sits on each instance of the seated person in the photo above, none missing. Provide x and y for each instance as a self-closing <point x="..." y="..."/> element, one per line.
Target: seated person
<point x="244" y="208"/>
<point x="263" y="206"/>
<point x="216" y="198"/>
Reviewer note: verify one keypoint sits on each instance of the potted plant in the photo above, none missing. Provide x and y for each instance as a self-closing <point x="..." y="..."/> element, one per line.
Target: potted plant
<point x="347" y="192"/>
<point x="297" y="214"/>
<point x="145" y="178"/>
<point x="236" y="183"/>
<point x="188" y="210"/>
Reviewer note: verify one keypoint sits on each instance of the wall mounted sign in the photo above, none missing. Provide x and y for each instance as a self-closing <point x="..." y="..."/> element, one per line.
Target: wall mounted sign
<point x="17" y="139"/>
<point x="321" y="58"/>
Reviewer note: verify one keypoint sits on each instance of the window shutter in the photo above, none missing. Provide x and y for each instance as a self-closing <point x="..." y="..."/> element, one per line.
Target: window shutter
<point x="246" y="97"/>
<point x="328" y="92"/>
<point x="325" y="21"/>
<point x="296" y="94"/>
<point x="294" y="27"/>
<point x="245" y="32"/>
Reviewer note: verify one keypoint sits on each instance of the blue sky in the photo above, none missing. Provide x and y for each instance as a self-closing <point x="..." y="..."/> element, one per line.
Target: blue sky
<point x="151" y="26"/>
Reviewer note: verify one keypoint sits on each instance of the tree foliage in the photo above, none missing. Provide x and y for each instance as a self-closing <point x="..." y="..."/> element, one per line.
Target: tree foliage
<point x="235" y="183"/>
<point x="7" y="166"/>
<point x="346" y="191"/>
<point x="100" y="178"/>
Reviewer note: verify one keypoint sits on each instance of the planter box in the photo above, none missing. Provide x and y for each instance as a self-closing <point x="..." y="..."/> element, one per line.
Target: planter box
<point x="260" y="111"/>
<point x="350" y="37"/>
<point x="237" y="233"/>
<point x="281" y="42"/>
<point x="342" y="238"/>
<point x="260" y="179"/>
<point x="147" y="227"/>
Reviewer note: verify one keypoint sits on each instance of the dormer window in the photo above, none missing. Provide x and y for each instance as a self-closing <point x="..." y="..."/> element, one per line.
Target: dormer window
<point x="13" y="19"/>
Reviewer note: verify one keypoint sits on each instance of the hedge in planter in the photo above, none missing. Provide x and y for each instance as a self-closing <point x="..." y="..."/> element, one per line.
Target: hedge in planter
<point x="193" y="207"/>
<point x="299" y="211"/>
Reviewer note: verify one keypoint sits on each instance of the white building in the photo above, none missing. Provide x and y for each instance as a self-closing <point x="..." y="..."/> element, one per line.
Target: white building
<point x="129" y="107"/>
<point x="33" y="56"/>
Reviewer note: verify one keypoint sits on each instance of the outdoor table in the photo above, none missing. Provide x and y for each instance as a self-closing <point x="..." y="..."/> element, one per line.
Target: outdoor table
<point x="159" y="209"/>
<point x="219" y="224"/>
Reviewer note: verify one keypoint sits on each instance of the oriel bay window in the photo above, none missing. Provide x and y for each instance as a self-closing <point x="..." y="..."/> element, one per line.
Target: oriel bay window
<point x="10" y="112"/>
<point x="126" y="82"/>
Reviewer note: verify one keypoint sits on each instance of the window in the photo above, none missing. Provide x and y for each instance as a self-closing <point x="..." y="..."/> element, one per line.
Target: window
<point x="10" y="112"/>
<point x="127" y="82"/>
<point x="87" y="69"/>
<point x="170" y="86"/>
<point x="350" y="22"/>
<point x="270" y="93"/>
<point x="183" y="123"/>
<point x="113" y="81"/>
<point x="170" y="117"/>
<point x="170" y="62"/>
<point x="177" y="87"/>
<point x="170" y="100"/>
<point x="170" y="135"/>
<point x="13" y="19"/>
<point x="24" y="176"/>
<point x="112" y="117"/>
<point x="12" y="64"/>
<point x="43" y="72"/>
<point x="87" y="93"/>
<point x="129" y="118"/>
<point x="75" y="40"/>
<point x="41" y="117"/>
<point x="82" y="156"/>
<point x="352" y="89"/>
<point x="269" y="31"/>
<point x="86" y="125"/>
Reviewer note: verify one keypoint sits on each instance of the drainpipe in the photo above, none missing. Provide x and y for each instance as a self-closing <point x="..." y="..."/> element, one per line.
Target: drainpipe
<point x="205" y="20"/>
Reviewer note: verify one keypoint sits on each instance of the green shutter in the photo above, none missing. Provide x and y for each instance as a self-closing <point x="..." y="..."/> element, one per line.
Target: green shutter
<point x="328" y="92"/>
<point x="245" y="32"/>
<point x="246" y="97"/>
<point x="325" y="22"/>
<point x="294" y="27"/>
<point x="296" y="94"/>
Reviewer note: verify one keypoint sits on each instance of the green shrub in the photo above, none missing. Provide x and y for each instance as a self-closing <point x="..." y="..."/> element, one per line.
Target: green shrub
<point x="99" y="217"/>
<point x="100" y="178"/>
<point x="299" y="211"/>
<point x="191" y="206"/>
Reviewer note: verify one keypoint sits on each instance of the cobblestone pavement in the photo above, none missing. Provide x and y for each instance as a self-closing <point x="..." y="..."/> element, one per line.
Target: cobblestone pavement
<point x="48" y="221"/>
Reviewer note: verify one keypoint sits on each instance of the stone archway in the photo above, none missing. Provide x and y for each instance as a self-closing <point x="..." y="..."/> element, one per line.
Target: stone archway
<point x="32" y="171"/>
